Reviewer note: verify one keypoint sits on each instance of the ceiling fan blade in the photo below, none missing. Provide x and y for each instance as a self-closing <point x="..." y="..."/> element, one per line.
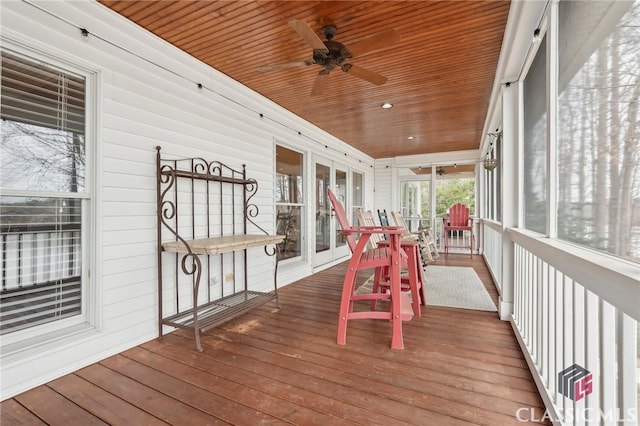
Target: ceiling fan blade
<point x="305" y="31"/>
<point x="284" y="66"/>
<point x="320" y="83"/>
<point x="364" y="74"/>
<point x="373" y="42"/>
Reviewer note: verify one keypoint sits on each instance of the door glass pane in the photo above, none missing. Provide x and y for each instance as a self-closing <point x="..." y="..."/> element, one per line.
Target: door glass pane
<point x="357" y="197"/>
<point x="341" y="193"/>
<point x="323" y="208"/>
<point x="452" y="190"/>
<point x="416" y="203"/>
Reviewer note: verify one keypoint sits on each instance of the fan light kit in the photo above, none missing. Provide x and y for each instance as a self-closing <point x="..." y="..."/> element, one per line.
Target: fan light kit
<point x="331" y="54"/>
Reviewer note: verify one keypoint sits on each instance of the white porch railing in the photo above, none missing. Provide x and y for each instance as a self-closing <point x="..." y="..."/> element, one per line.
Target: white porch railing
<point x="41" y="274"/>
<point x="459" y="239"/>
<point x="575" y="315"/>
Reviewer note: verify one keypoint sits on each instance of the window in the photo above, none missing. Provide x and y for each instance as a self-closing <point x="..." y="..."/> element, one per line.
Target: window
<point x="289" y="201"/>
<point x="45" y="194"/>
<point x="598" y="144"/>
<point x="535" y="143"/>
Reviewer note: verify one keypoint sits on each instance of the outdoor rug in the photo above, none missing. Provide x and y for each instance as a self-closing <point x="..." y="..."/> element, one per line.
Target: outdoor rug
<point x="451" y="286"/>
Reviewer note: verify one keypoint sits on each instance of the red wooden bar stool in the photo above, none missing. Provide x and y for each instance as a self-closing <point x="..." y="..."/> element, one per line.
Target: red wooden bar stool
<point x="386" y="261"/>
<point x="414" y="281"/>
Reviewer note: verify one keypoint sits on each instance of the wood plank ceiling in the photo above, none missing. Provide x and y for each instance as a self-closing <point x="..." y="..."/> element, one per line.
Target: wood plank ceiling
<point x="440" y="72"/>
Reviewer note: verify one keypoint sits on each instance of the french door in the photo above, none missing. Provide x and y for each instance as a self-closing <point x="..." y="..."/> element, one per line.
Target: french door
<point x="330" y="245"/>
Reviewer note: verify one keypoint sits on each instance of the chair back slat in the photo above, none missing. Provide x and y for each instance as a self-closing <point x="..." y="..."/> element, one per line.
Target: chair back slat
<point x="459" y="215"/>
<point x="400" y="223"/>
<point x="365" y="218"/>
<point x="342" y="219"/>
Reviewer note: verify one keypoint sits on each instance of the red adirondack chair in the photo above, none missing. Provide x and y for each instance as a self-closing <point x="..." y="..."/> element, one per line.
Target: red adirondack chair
<point x="458" y="221"/>
<point x="386" y="261"/>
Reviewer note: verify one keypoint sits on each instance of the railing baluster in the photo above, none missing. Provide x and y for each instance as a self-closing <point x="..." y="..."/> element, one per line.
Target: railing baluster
<point x="531" y="279"/>
<point x="579" y="343"/>
<point x="4" y="261"/>
<point x="19" y="260"/>
<point x="608" y="379"/>
<point x="559" y="327"/>
<point x="627" y="370"/>
<point x="568" y="333"/>
<point x="592" y="341"/>
<point x="537" y="332"/>
<point x="34" y="257"/>
<point x="545" y="334"/>
<point x="517" y="307"/>
<point x="555" y="342"/>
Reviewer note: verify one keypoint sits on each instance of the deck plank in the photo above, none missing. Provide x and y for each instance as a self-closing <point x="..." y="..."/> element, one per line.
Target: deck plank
<point x="273" y="366"/>
<point x="55" y="409"/>
<point x="154" y="402"/>
<point x="13" y="413"/>
<point x="100" y="403"/>
<point x="215" y="405"/>
<point x="242" y="391"/>
<point x="178" y="348"/>
<point x="395" y="385"/>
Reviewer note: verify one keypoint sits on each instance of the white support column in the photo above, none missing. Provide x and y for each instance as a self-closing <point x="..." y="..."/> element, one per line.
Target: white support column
<point x="511" y="117"/>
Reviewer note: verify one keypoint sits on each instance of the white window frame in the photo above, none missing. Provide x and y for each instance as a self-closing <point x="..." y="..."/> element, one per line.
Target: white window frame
<point x="304" y="206"/>
<point x="14" y="344"/>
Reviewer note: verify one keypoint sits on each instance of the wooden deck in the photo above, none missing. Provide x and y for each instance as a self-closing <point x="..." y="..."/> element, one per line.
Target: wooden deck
<point x="284" y="367"/>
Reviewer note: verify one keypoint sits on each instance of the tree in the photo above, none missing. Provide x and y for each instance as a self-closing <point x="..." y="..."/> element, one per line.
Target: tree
<point x="453" y="191"/>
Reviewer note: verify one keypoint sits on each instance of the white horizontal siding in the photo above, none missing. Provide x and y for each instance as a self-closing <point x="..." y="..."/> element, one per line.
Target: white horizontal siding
<point x="128" y="264"/>
<point x="383" y="185"/>
<point x="140" y="107"/>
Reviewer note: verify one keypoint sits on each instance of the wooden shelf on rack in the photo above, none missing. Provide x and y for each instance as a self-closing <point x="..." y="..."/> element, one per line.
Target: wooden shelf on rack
<point x="225" y="244"/>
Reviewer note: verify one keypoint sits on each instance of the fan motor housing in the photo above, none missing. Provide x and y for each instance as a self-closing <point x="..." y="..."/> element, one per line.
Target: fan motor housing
<point x="334" y="58"/>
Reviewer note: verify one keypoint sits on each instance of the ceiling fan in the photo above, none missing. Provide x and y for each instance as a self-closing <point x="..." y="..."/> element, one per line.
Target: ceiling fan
<point x="331" y="54"/>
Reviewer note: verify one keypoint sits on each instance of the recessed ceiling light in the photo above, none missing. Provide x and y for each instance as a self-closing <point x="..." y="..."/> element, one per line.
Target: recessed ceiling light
<point x="387" y="105"/>
<point x="411" y="138"/>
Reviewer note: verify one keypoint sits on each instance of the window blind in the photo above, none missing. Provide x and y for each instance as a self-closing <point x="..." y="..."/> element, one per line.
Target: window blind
<point x="43" y="127"/>
<point x="34" y="93"/>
